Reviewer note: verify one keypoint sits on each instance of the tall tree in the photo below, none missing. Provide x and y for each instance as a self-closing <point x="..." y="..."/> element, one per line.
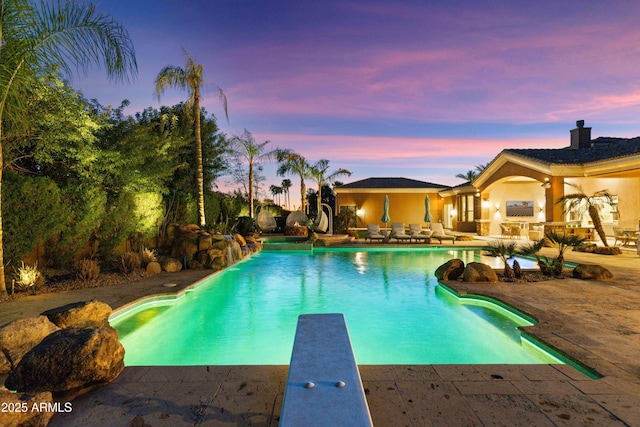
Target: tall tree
<point x="294" y="164"/>
<point x="190" y="78"/>
<point x="245" y="147"/>
<point x="45" y="36"/>
<point x="470" y="175"/>
<point x="320" y="177"/>
<point x="286" y="185"/>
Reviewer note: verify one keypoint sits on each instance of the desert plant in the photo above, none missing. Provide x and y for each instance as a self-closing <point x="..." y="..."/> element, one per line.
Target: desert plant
<point x="562" y="242"/>
<point x="503" y="250"/>
<point x="29" y="277"/>
<point x="129" y="262"/>
<point x="148" y="255"/>
<point x="549" y="265"/>
<point x="86" y="269"/>
<point x="593" y="204"/>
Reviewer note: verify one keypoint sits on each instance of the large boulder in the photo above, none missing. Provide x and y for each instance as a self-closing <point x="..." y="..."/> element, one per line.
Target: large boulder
<point x="153" y="267"/>
<point x="171" y="265"/>
<point x="591" y="272"/>
<point x="81" y="314"/>
<point x="20" y="336"/>
<point x="212" y="258"/>
<point x="479" y="273"/>
<point x="450" y="270"/>
<point x="70" y="362"/>
<point x="204" y="241"/>
<point x="22" y="411"/>
<point x="184" y="246"/>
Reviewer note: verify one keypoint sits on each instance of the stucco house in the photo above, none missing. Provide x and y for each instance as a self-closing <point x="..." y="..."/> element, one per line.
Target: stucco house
<point x="365" y="198"/>
<point x="523" y="185"/>
<point x="518" y="187"/>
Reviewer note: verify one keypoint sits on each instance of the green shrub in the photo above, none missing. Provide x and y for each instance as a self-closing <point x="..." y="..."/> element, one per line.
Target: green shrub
<point x="129" y="262"/>
<point x="86" y="269"/>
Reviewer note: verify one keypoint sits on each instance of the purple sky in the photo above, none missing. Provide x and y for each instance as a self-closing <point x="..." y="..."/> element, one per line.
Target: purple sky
<point x="418" y="89"/>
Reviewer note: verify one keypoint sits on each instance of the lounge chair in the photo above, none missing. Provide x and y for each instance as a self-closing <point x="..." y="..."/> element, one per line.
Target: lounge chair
<point x="398" y="233"/>
<point x="437" y="232"/>
<point x="373" y="233"/>
<point x="416" y="232"/>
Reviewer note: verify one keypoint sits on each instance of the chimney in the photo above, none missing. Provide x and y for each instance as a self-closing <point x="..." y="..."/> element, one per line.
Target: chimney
<point x="580" y="136"/>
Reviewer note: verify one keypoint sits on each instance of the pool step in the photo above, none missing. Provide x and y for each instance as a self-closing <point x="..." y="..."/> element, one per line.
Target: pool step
<point x="324" y="386"/>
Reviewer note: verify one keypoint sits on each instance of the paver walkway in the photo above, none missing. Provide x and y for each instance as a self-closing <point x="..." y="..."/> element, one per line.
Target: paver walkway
<point x="596" y="322"/>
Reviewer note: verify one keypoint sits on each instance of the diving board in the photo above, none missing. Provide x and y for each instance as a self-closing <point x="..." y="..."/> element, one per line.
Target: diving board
<point x="324" y="386"/>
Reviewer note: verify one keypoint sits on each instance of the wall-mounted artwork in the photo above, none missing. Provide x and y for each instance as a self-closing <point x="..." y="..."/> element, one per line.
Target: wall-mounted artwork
<point x="520" y="208"/>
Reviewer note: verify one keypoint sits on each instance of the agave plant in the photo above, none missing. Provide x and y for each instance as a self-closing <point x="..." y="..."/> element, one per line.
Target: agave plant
<point x="503" y="250"/>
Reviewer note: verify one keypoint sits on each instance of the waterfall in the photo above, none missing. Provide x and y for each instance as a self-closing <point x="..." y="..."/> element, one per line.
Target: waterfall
<point x="230" y="257"/>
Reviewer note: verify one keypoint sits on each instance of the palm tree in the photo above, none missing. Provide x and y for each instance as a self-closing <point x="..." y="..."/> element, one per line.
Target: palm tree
<point x="48" y="36"/>
<point x="190" y="78"/>
<point x="472" y="174"/>
<point x="562" y="242"/>
<point x="245" y="147"/>
<point x="504" y="251"/>
<point x="318" y="174"/>
<point x="580" y="202"/>
<point x="294" y="164"/>
<point x="276" y="191"/>
<point x="286" y="185"/>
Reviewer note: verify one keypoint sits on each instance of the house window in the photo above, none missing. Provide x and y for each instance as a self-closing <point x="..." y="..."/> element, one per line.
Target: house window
<point x="465" y="208"/>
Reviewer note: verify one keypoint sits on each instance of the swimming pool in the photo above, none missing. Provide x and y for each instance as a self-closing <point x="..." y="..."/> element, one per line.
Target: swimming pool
<point x="395" y="311"/>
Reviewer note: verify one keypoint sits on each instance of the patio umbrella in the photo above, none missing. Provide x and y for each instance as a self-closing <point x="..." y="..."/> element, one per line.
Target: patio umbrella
<point x="427" y="210"/>
<point x="385" y="215"/>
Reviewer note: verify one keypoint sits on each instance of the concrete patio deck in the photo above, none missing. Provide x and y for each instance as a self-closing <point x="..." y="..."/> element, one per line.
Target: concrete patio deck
<point x="597" y="323"/>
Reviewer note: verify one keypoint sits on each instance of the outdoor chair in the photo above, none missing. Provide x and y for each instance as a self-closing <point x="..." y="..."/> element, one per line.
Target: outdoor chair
<point x="505" y="231"/>
<point x="373" y="233"/>
<point x="437" y="232"/>
<point x="620" y="235"/>
<point x="516" y="231"/>
<point x="398" y="233"/>
<point x="416" y="232"/>
<point x="536" y="232"/>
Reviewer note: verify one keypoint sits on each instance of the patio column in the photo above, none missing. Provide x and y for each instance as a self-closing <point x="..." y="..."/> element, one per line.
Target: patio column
<point x="553" y="212"/>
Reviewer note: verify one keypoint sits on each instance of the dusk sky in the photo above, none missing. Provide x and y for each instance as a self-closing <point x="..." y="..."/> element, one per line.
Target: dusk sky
<point x="416" y="89"/>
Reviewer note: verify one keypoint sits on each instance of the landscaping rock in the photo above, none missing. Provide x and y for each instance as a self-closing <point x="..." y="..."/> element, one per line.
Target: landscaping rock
<point x="70" y="362"/>
<point x="212" y="258"/>
<point x="184" y="245"/>
<point x="29" y="417"/>
<point x="591" y="272"/>
<point x="154" y="267"/>
<point x="479" y="273"/>
<point x="81" y="314"/>
<point x="251" y="240"/>
<point x="204" y="242"/>
<point x="450" y="270"/>
<point x="171" y="265"/>
<point x="241" y="241"/>
<point x="20" y="336"/>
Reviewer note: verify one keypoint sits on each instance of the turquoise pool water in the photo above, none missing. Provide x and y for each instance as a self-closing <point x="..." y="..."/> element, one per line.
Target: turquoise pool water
<point x="395" y="311"/>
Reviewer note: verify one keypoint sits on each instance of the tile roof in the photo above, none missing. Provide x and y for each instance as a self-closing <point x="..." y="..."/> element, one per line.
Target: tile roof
<point x="603" y="148"/>
<point x="392" y="183"/>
